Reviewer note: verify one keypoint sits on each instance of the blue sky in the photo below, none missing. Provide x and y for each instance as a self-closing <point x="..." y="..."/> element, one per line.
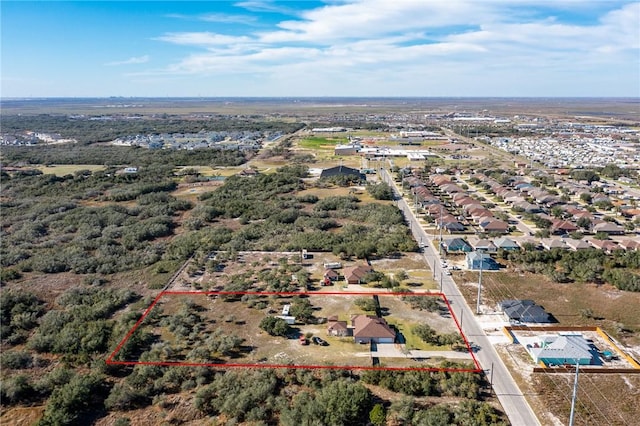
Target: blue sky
<point x="320" y="48"/>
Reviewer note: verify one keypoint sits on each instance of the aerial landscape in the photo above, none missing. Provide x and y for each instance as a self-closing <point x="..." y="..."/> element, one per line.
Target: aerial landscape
<point x="320" y="213"/>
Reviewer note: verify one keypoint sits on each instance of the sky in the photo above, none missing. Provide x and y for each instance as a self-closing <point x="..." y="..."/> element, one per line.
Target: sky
<point x="351" y="48"/>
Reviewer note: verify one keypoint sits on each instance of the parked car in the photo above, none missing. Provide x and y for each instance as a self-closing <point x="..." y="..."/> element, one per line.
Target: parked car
<point x="318" y="341"/>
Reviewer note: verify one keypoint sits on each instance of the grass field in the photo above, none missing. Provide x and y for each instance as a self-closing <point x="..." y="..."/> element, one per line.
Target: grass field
<point x="320" y="143"/>
<point x="68" y="169"/>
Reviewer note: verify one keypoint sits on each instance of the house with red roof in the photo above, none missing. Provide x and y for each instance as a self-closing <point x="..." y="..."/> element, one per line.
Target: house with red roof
<point x="367" y="329"/>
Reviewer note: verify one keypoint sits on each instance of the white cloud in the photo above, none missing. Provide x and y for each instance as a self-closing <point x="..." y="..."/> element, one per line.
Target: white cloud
<point x="428" y="46"/>
<point x="131" y="61"/>
<point x="203" y="39"/>
<point x="223" y="18"/>
<point x="266" y="6"/>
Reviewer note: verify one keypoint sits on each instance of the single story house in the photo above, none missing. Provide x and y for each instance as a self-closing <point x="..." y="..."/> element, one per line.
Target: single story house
<point x="485" y="245"/>
<point x="478" y="260"/>
<point x="524" y="311"/>
<point x="356" y="274"/>
<point x="562" y="227"/>
<point x="608" y="228"/>
<point x="505" y="243"/>
<point x="456" y="245"/>
<point x="563" y="349"/>
<point x="342" y="171"/>
<point x="367" y="329"/>
<point x="494" y="225"/>
<point x="576" y="245"/>
<point x="337" y="328"/>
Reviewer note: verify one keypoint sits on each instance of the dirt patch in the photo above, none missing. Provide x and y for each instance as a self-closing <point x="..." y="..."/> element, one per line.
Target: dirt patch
<point x="21" y="416"/>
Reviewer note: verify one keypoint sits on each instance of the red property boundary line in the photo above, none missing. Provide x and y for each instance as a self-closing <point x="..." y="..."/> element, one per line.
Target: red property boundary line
<point x="111" y="361"/>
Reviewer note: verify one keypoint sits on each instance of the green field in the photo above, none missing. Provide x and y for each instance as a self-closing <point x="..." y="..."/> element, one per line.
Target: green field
<point x="316" y="142"/>
<point x="68" y="169"/>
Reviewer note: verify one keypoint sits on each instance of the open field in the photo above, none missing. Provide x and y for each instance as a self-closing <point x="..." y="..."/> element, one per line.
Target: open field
<point x="320" y="143"/>
<point x="219" y="316"/>
<point x="68" y="169"/>
<point x="601" y="110"/>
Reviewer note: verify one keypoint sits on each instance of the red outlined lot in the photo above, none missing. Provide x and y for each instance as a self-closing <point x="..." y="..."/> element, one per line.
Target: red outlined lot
<point x="111" y="360"/>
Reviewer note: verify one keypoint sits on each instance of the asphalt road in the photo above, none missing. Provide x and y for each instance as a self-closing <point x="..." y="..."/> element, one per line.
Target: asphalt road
<point x="513" y="401"/>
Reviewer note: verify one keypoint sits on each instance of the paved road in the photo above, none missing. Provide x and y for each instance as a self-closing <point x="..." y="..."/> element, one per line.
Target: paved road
<point x="513" y="401"/>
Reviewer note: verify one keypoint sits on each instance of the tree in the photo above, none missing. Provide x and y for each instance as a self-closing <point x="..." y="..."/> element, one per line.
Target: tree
<point x="366" y="304"/>
<point x="378" y="415"/>
<point x="380" y="191"/>
<point x="275" y="326"/>
<point x="584" y="222"/>
<point x="426" y="333"/>
<point x="586" y="197"/>
<point x="302" y="309"/>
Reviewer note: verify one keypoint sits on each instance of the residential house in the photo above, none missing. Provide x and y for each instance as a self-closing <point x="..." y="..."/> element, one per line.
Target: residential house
<point x="451" y="224"/>
<point x="356" y="274"/>
<point x="337" y="328"/>
<point x="559" y="227"/>
<point x="527" y="207"/>
<point x="342" y="171"/>
<point x="484" y="245"/>
<point x="505" y="243"/>
<point x="629" y="244"/>
<point x="494" y="225"/>
<point x="563" y="349"/>
<point x="329" y="276"/>
<point x="524" y="311"/>
<point x="478" y="260"/>
<point x="367" y="329"/>
<point x="606" y="245"/>
<point x="456" y="245"/>
<point x="248" y="173"/>
<point x="608" y="228"/>
<point x="576" y="245"/>
<point x="554" y="243"/>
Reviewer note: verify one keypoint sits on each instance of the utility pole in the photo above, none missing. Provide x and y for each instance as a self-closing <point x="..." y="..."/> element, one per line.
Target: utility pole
<point x="479" y="285"/>
<point x="575" y="396"/>
<point x="441" y="222"/>
<point x="434" y="268"/>
<point x="491" y="377"/>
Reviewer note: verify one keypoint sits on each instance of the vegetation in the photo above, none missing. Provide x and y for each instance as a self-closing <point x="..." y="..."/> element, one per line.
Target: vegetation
<point x="88" y="130"/>
<point x="590" y="265"/>
<point x="275" y="326"/>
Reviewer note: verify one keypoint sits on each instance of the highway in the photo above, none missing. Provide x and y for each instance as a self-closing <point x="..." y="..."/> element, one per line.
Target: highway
<point x="513" y="401"/>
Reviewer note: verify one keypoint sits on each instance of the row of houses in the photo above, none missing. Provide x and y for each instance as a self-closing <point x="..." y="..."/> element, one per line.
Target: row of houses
<point x="518" y="193"/>
<point x="462" y="245"/>
<point x="471" y="208"/>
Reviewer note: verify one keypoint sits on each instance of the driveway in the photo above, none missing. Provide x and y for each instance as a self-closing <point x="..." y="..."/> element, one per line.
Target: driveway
<point x="396" y="350"/>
